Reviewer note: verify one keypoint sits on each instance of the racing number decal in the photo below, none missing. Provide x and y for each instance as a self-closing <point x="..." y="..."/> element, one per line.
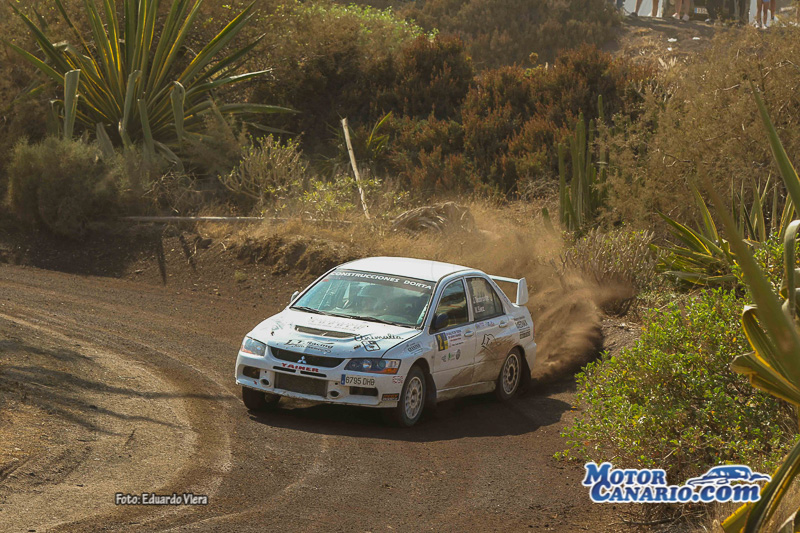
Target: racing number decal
<point x="441" y="341"/>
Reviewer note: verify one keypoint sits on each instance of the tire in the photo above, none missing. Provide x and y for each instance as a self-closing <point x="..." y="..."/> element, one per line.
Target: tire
<point x="510" y="378"/>
<point x="256" y="400"/>
<point x="412" y="400"/>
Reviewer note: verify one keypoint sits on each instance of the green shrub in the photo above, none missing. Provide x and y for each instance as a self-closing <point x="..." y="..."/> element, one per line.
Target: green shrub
<point x="64" y="185"/>
<point x="269" y="172"/>
<point x="671" y="401"/>
<point x="328" y="62"/>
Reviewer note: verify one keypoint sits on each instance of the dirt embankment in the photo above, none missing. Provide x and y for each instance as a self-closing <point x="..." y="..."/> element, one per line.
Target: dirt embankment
<point x="567" y="308"/>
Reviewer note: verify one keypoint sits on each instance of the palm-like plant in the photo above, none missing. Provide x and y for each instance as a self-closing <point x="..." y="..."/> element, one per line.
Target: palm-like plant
<point x="130" y="80"/>
<point x="703" y="257"/>
<point x="772" y="329"/>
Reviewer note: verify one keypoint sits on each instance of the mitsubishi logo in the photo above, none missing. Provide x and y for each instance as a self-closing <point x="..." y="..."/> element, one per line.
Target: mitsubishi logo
<point x="302" y="360"/>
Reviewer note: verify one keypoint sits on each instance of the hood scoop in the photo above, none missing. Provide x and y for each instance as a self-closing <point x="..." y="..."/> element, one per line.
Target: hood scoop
<point x="324" y="332"/>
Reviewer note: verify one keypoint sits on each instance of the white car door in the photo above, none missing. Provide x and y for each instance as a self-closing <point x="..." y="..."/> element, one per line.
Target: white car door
<point x="494" y="337"/>
<point x="454" y="343"/>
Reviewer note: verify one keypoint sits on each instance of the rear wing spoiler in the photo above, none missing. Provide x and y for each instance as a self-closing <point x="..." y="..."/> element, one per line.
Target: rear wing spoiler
<point x="522" y="288"/>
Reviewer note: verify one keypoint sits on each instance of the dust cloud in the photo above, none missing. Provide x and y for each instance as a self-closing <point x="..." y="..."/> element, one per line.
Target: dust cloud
<point x="566" y="307"/>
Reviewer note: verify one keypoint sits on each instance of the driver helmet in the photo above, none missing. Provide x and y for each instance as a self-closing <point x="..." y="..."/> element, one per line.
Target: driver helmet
<point x="369" y="297"/>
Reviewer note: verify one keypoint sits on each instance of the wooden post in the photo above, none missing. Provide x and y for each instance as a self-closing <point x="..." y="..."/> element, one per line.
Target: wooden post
<point x="355" y="168"/>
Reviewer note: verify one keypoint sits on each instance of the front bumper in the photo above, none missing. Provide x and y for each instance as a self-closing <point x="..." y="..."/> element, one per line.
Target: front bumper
<point x="329" y="385"/>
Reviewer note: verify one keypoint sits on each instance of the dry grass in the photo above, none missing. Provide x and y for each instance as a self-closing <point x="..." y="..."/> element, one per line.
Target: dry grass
<point x="699" y="121"/>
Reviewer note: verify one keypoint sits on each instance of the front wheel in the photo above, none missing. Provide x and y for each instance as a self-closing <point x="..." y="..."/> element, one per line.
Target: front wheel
<point x="510" y="377"/>
<point x="256" y="400"/>
<point x="412" y="399"/>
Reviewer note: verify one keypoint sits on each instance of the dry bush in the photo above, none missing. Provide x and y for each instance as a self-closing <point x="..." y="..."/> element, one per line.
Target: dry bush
<point x="503" y="32"/>
<point x="620" y="259"/>
<point x="701" y="121"/>
<point x="65" y="185"/>
<point x="616" y="256"/>
<point x="448" y="216"/>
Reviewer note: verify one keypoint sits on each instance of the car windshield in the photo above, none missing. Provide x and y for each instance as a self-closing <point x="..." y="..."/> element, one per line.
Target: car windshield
<point x="369" y="296"/>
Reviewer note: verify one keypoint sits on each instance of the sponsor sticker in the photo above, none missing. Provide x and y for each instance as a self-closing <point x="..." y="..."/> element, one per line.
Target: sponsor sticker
<point x="449" y="356"/>
<point x="371" y="346"/>
<point x="725" y="483"/>
<point x="414" y="347"/>
<point x="324" y="347"/>
<point x="299" y="367"/>
<point x="373" y="337"/>
<point x="382" y="279"/>
<point x="488" y="339"/>
<point x="397" y="379"/>
<point x="523" y="327"/>
<point x="337" y="323"/>
<point x="449" y="339"/>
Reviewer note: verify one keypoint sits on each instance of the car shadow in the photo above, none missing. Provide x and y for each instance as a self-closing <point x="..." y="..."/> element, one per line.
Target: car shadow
<point x="474" y="416"/>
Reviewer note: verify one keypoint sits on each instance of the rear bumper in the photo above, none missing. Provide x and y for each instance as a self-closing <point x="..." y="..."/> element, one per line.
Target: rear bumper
<point x="329" y="383"/>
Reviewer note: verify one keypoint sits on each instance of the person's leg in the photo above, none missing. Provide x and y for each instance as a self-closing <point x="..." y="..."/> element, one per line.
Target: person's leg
<point x="744" y="11"/>
<point x="636" y="9"/>
<point x="711" y="6"/>
<point x="759" y="9"/>
<point x="772" y="6"/>
<point x="677" y="13"/>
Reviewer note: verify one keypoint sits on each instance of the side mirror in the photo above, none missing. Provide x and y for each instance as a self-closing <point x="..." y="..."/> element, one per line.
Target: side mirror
<point x="294" y="297"/>
<point x="440" y="321"/>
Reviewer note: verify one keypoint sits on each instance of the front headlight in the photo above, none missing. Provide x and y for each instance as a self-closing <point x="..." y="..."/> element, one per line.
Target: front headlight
<point x="375" y="366"/>
<point x="254" y="347"/>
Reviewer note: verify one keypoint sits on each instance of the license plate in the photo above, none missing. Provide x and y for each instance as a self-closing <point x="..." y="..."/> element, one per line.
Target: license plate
<point x="357" y="381"/>
<point x="701" y="11"/>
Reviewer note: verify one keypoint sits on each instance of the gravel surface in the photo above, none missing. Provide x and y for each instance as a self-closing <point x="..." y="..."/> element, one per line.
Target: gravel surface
<point x="111" y="385"/>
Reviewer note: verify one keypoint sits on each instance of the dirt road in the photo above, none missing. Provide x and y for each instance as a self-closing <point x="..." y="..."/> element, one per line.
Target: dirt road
<point x="136" y="385"/>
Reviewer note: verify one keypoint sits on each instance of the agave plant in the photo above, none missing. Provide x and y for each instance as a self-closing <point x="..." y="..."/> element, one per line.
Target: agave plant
<point x="130" y="79"/>
<point x="702" y="256"/>
<point x="771" y="327"/>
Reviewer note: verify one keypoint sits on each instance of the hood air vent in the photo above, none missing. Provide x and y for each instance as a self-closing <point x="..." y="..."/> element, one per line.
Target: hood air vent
<point x="324" y="332"/>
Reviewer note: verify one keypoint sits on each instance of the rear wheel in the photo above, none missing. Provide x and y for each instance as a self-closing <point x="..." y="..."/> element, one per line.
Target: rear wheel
<point x="256" y="400"/>
<point x="412" y="399"/>
<point x="508" y="382"/>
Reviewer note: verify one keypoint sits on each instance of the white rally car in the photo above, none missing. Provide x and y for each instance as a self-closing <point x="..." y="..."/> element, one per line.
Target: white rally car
<point x="391" y="332"/>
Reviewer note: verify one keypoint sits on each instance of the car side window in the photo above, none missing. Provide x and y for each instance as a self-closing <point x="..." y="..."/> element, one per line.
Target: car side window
<point x="453" y="303"/>
<point x="485" y="301"/>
